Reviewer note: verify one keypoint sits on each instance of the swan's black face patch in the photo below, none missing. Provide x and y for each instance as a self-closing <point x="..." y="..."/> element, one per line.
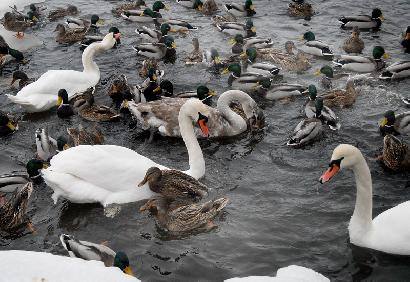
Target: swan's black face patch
<point x="336" y="162"/>
<point x="202" y="117"/>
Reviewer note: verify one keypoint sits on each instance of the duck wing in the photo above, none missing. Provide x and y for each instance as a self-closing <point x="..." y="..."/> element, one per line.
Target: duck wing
<point x="178" y="184"/>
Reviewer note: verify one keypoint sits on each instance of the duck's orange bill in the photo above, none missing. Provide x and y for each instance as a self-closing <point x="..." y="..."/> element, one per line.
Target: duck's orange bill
<point x="332" y="171"/>
<point x="204" y="127"/>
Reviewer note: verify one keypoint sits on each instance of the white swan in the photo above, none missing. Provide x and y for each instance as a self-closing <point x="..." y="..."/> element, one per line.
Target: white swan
<point x="223" y="121"/>
<point x="292" y="273"/>
<point x="109" y="174"/>
<point x="41" y="95"/>
<point x="38" y="266"/>
<point x="388" y="232"/>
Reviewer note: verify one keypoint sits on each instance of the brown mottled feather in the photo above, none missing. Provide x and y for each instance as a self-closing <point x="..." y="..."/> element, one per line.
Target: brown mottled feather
<point x="340" y="98"/>
<point x="396" y="154"/>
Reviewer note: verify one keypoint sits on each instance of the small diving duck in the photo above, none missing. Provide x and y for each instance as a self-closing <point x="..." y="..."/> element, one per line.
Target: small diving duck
<point x="91" y="251"/>
<point x="11" y="23"/>
<point x="316" y="47"/>
<point x="326" y="114"/>
<point x="363" y="21"/>
<point x="65" y="35"/>
<point x="7" y="126"/>
<point x="165" y="51"/>
<point x="188" y="218"/>
<point x="406" y="40"/>
<point x="47" y="147"/>
<point x="247" y="10"/>
<point x="300" y="9"/>
<point x="64" y="109"/>
<point x="6" y="51"/>
<point x="22" y="79"/>
<point x="339" y="97"/>
<point x="396" y="154"/>
<point x="71" y="10"/>
<point x="196" y="56"/>
<point x="396" y="70"/>
<point x="247" y="29"/>
<point x="354" y="44"/>
<point x="153" y="35"/>
<point x="134" y="5"/>
<point x="364" y="64"/>
<point x="395" y="124"/>
<point x="264" y="69"/>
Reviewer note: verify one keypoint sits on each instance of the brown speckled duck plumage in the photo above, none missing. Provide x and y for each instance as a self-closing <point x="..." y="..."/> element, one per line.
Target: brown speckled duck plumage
<point x="396" y="153"/>
<point x="339" y="97"/>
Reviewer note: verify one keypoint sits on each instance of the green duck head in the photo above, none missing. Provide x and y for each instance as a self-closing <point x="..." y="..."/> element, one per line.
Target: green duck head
<point x="31" y="15"/>
<point x="62" y="143"/>
<point x="94" y="19"/>
<point x="309" y="36"/>
<point x="19" y="75"/>
<point x="327" y="71"/>
<point x="5" y="121"/>
<point x="238" y="39"/>
<point x="389" y="118"/>
<point x="122" y="262"/>
<point x="251" y="53"/>
<point x="312" y="92"/>
<point x="158" y="5"/>
<point x="377" y="14"/>
<point x="62" y="97"/>
<point x="148" y="12"/>
<point x="165" y="28"/>
<point x="170" y="42"/>
<point x="198" y="5"/>
<point x="152" y="74"/>
<point x="249" y="5"/>
<point x="204" y="94"/>
<point x="378" y="53"/>
<point x="249" y="24"/>
<point x="235" y="69"/>
<point x="34" y="166"/>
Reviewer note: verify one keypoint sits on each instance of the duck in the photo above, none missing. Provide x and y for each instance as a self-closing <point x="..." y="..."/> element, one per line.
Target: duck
<point x="187" y="218"/>
<point x="395" y="124"/>
<point x="159" y="51"/>
<point x="22" y="78"/>
<point x="50" y="268"/>
<point x="212" y="59"/>
<point x="363" y="64"/>
<point x="7" y="125"/>
<point x="387" y="232"/>
<point x="292" y="273"/>
<point x="397" y="70"/>
<point x="396" y="153"/>
<point x="233" y="28"/>
<point x="183" y="26"/>
<point x="40" y="95"/>
<point x="47" y="147"/>
<point x="58" y="13"/>
<point x="64" y="109"/>
<point x="6" y="51"/>
<point x="339" y="97"/>
<point x="88" y="39"/>
<point x="89" y="26"/>
<point x="363" y="21"/>
<point x="326" y="77"/>
<point x="146" y="16"/>
<point x="84" y="136"/>
<point x="32" y="174"/>
<point x="209" y="7"/>
<point x="264" y="69"/>
<point x="196" y="56"/>
<point x="243" y="81"/>
<point x="119" y="90"/>
<point x="148" y="64"/>
<point x="174" y="185"/>
<point x="133" y="5"/>
<point x="13" y="212"/>
<point x="216" y="19"/>
<point x="406" y="40"/>
<point x="258" y="42"/>
<point x="11" y="23"/>
<point x="280" y="90"/>
<point x="69" y="35"/>
<point x="91" y="251"/>
<point x="112" y="171"/>
<point x="316" y="47"/>
<point x="153" y="35"/>
<point x="300" y="9"/>
<point x="354" y="44"/>
<point x="223" y="121"/>
<point x="202" y="92"/>
<point x="327" y="115"/>
<point x="247" y="10"/>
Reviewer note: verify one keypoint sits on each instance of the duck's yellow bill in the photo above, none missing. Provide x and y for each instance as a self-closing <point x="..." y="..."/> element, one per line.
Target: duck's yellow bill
<point x="317" y="72"/>
<point x="128" y="271"/>
<point x="212" y="93"/>
<point x="59" y="101"/>
<point x="217" y="60"/>
<point x="225" y="71"/>
<point x="142" y="14"/>
<point x="300" y="38"/>
<point x="253" y="29"/>
<point x="232" y="41"/>
<point x="173" y="30"/>
<point x="45" y="165"/>
<point x="166" y="8"/>
<point x="100" y="22"/>
<point x="66" y="146"/>
<point x="386" y="56"/>
<point x="200" y="8"/>
<point x="11" y="126"/>
<point x="242" y="55"/>
<point x="174" y="45"/>
<point x="124" y="104"/>
<point x="381" y="18"/>
<point x="383" y="122"/>
<point x="157" y="89"/>
<point x="252" y="7"/>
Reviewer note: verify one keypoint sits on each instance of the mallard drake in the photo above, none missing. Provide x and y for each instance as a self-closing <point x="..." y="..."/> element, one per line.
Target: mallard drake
<point x="327" y="76"/>
<point x="354" y="44"/>
<point x="340" y="98"/>
<point x="165" y="51"/>
<point x="90" y="26"/>
<point x="258" y="42"/>
<point x="363" y="64"/>
<point x="153" y="35"/>
<point x="363" y="21"/>
<point x="134" y="5"/>
<point x="13" y="211"/>
<point x="183" y="25"/>
<point x="279" y="91"/>
<point x="202" y="92"/>
<point x="91" y="251"/>
<point x="193" y="217"/>
<point x="47" y="147"/>
<point x="243" y="81"/>
<point x="174" y="185"/>
<point x="64" y="109"/>
<point x="71" y="10"/>
<point x="212" y="59"/>
<point x="145" y="16"/>
<point x="11" y="23"/>
<point x="22" y="78"/>
<point x="69" y="36"/>
<point x="307" y="131"/>
<point x="5" y="51"/>
<point x="233" y="28"/>
<point x="395" y="124"/>
<point x="396" y="70"/>
<point x="326" y="114"/>
<point x="247" y="10"/>
<point x="264" y="69"/>
<point x="85" y="136"/>
<point x="316" y="47"/>
<point x="406" y="40"/>
<point x="300" y="9"/>
<point x="7" y="126"/>
<point x="196" y="55"/>
<point x="89" y="39"/>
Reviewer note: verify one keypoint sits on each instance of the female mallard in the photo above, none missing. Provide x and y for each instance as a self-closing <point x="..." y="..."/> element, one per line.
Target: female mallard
<point x="406" y="40"/>
<point x="119" y="90"/>
<point x="91" y="251"/>
<point x="174" y="185"/>
<point x="247" y="10"/>
<point x="47" y="147"/>
<point x="395" y="124"/>
<point x="7" y="126"/>
<point x="13" y="212"/>
<point x="316" y="47"/>
<point x="247" y="29"/>
<point x="209" y="7"/>
<point x="354" y="44"/>
<point x="243" y="81"/>
<point x="153" y="35"/>
<point x="69" y="36"/>
<point x="165" y="51"/>
<point x="396" y="154"/>
<point x="6" y="51"/>
<point x="71" y="10"/>
<point x="64" y="109"/>
<point x="22" y="79"/>
<point x="396" y="70"/>
<point x="340" y="98"/>
<point x="264" y="69"/>
<point x="85" y="136"/>
<point x="300" y="9"/>
<point x="363" y="64"/>
<point x="196" y="55"/>
<point x="326" y="114"/>
<point x="11" y="23"/>
<point x="363" y="21"/>
<point x="193" y="217"/>
<point x="279" y="91"/>
<point x="134" y="5"/>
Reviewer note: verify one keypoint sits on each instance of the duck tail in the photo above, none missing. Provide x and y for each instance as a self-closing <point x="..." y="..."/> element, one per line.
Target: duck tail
<point x="220" y="203"/>
<point x="343" y="20"/>
<point x="65" y="241"/>
<point x="386" y="75"/>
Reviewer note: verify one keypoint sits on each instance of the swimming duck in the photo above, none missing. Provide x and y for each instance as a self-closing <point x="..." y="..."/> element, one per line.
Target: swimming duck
<point x="153" y="35"/>
<point x="47" y="147"/>
<point x="363" y="21"/>
<point x="134" y="5"/>
<point x="386" y="232"/>
<point x="95" y="174"/>
<point x="395" y="124"/>
<point x="85" y="136"/>
<point x="223" y="121"/>
<point x="145" y="16"/>
<point x="202" y="92"/>
<point x="264" y="69"/>
<point x="279" y="91"/>
<point x="327" y="76"/>
<point x="69" y="36"/>
<point x="300" y="9"/>
<point x="88" y="39"/>
<point x="22" y="78"/>
<point x="41" y="95"/>
<point x="406" y="40"/>
<point x="223" y="18"/>
<point x="183" y="26"/>
<point x="396" y="154"/>
<point x="148" y="64"/>
<point x="119" y="90"/>
<point x="13" y="212"/>
<point x="188" y="218"/>
<point x="91" y="251"/>
<point x="212" y="59"/>
<point x="243" y="81"/>
<point x="396" y="70"/>
<point x="174" y="185"/>
<point x="354" y="44"/>
<point x="258" y="42"/>
<point x="71" y="10"/>
<point x="247" y="29"/>
<point x="11" y="23"/>
<point x="340" y="98"/>
<point x="209" y="7"/>
<point x="149" y="90"/>
<point x="90" y="26"/>
<point x="64" y="109"/>
<point x="6" y="51"/>
<point x="247" y="10"/>
<point x="326" y="114"/>
<point x="165" y="51"/>
<point x="363" y="64"/>
<point x="316" y="47"/>
<point x="7" y="126"/>
<point x="196" y="55"/>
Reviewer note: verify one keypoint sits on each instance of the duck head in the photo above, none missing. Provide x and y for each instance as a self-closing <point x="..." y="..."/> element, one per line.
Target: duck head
<point x="5" y="121"/>
<point x="165" y="28"/>
<point x="309" y="36"/>
<point x="326" y="70"/>
<point x="19" y="75"/>
<point x="60" y="29"/>
<point x="198" y="5"/>
<point x="62" y="143"/>
<point x="389" y="118"/>
<point x="152" y="176"/>
<point x="377" y="14"/>
<point x="62" y="97"/>
<point x="289" y="46"/>
<point x="122" y="262"/>
<point x="158" y="5"/>
<point x="205" y="95"/>
<point x="33" y="168"/>
<point x="215" y="56"/>
<point x="170" y="42"/>
<point x="251" y="54"/>
<point x="95" y="19"/>
<point x="312" y="91"/>
<point x="378" y="53"/>
<point x="250" y="28"/>
<point x="355" y="32"/>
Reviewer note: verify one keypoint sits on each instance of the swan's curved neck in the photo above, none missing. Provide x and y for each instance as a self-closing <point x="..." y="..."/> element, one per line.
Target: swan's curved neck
<point x="89" y="54"/>
<point x="196" y="158"/>
<point x="223" y="105"/>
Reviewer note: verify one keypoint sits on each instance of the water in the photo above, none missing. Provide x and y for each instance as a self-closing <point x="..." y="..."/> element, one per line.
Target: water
<point x="278" y="213"/>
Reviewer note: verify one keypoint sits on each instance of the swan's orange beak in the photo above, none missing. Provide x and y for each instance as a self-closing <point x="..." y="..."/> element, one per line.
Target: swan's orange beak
<point x="204" y="127"/>
<point x="332" y="171"/>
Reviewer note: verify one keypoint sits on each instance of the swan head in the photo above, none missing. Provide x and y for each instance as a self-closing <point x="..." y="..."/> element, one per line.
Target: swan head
<point x="197" y="112"/>
<point x="116" y="33"/>
<point x="109" y="41"/>
<point x="122" y="262"/>
<point x="344" y="156"/>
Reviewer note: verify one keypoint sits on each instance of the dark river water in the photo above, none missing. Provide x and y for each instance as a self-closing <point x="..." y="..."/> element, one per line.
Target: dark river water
<point x="278" y="213"/>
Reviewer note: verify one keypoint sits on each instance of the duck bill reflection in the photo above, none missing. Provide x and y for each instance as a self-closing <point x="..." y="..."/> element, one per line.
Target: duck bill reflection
<point x="332" y="171"/>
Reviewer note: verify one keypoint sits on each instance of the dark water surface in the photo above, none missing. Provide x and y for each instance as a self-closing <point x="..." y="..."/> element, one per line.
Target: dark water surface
<point x="278" y="213"/>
